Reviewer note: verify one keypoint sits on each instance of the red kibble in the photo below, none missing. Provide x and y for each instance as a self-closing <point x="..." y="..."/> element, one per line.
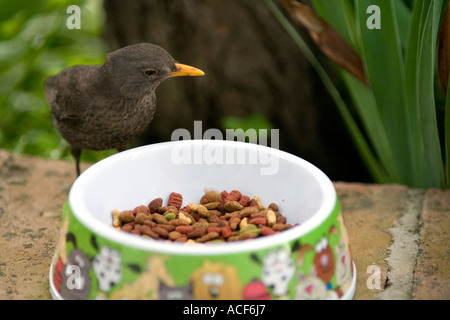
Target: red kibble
<point x="258" y="221"/>
<point x="266" y="231"/>
<point x="176" y="200"/>
<point x="224" y="195"/>
<point x="226" y="232"/>
<point x="244" y="201"/>
<point x="234" y="195"/>
<point x="186" y="209"/>
<point x="214" y="229"/>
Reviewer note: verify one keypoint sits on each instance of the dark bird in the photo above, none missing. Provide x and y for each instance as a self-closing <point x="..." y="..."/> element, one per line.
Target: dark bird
<point x="101" y="107"/>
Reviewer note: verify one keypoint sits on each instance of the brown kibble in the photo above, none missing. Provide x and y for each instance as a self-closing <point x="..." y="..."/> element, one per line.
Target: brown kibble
<point x="247" y="212"/>
<point x="126" y="216"/>
<point x="201" y="223"/>
<point x="261" y="207"/>
<point x="155" y="204"/>
<point x="184" y="229"/>
<point x="149" y="232"/>
<point x="281" y="219"/>
<point x="176" y="200"/>
<point x="281" y="226"/>
<point x="141" y="209"/>
<point x="211" y="196"/>
<point x="174" y="235"/>
<point x="162" y="232"/>
<point x="182" y="238"/>
<point x="212" y="205"/>
<point x="159" y="218"/>
<point x="232" y="206"/>
<point x="128" y="227"/>
<point x="150" y="223"/>
<point x="253" y="203"/>
<point x="137" y="227"/>
<point x="273" y="206"/>
<point x="168" y="227"/>
<point x="141" y="217"/>
<point x="179" y="222"/>
<point x="259" y="214"/>
<point x="200" y="209"/>
<point x="167" y="209"/>
<point x="208" y="237"/>
<point x="196" y="233"/>
<point x="234" y="222"/>
<point x="247" y="235"/>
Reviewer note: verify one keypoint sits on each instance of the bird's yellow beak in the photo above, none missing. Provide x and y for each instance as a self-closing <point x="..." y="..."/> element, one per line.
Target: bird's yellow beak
<point x="185" y="70"/>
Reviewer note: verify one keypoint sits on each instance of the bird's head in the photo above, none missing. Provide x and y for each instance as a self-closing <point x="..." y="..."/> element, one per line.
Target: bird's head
<point x="138" y="69"/>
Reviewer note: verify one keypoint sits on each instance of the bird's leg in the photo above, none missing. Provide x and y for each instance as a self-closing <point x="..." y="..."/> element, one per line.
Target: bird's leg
<point x="76" y="153"/>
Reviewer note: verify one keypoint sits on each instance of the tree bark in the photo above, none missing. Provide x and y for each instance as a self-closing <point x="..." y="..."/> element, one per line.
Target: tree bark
<point x="251" y="65"/>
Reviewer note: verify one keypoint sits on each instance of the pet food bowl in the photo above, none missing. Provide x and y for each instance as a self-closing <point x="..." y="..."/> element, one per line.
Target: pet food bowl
<point x="309" y="261"/>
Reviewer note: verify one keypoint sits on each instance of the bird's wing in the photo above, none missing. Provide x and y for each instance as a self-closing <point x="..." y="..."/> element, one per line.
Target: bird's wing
<point x="67" y="92"/>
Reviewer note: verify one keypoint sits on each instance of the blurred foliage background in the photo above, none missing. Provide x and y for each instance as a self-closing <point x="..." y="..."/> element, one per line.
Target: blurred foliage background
<point x="34" y="44"/>
<point x="256" y="75"/>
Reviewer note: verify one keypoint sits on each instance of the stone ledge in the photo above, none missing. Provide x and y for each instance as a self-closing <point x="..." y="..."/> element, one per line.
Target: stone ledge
<point x="403" y="233"/>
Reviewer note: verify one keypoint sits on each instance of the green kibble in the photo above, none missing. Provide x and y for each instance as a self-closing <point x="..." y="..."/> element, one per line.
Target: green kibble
<point x="170" y="216"/>
<point x="251" y="228"/>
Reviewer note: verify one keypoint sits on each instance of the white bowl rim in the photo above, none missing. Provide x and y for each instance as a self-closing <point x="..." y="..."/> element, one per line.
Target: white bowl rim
<point x="166" y="247"/>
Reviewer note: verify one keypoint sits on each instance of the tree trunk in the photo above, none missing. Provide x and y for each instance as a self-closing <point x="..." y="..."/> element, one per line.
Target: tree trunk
<point x="251" y="65"/>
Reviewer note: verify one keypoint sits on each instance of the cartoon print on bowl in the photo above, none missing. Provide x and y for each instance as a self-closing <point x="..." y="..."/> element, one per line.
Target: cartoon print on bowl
<point x="107" y="265"/>
<point x="175" y="293"/>
<point x="256" y="290"/>
<point x="343" y="268"/>
<point x="73" y="270"/>
<point x="216" y="281"/>
<point x="71" y="273"/>
<point x="310" y="287"/>
<point x="277" y="271"/>
<point x="147" y="285"/>
<point x="76" y="283"/>
<point x="323" y="262"/>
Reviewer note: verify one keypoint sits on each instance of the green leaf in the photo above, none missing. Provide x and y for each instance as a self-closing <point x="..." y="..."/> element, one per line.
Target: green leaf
<point x="447" y="136"/>
<point x="421" y="114"/>
<point x="341" y="17"/>
<point x="403" y="14"/>
<point x="359" y="139"/>
<point x="382" y="56"/>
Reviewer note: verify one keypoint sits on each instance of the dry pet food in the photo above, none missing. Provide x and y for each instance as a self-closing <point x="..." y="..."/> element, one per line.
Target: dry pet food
<point x="218" y="217"/>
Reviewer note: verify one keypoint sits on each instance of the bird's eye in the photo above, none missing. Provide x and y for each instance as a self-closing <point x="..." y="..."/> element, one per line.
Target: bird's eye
<point x="150" y="72"/>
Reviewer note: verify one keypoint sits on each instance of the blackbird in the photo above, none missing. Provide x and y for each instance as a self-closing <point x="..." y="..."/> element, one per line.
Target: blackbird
<point x="99" y="107"/>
